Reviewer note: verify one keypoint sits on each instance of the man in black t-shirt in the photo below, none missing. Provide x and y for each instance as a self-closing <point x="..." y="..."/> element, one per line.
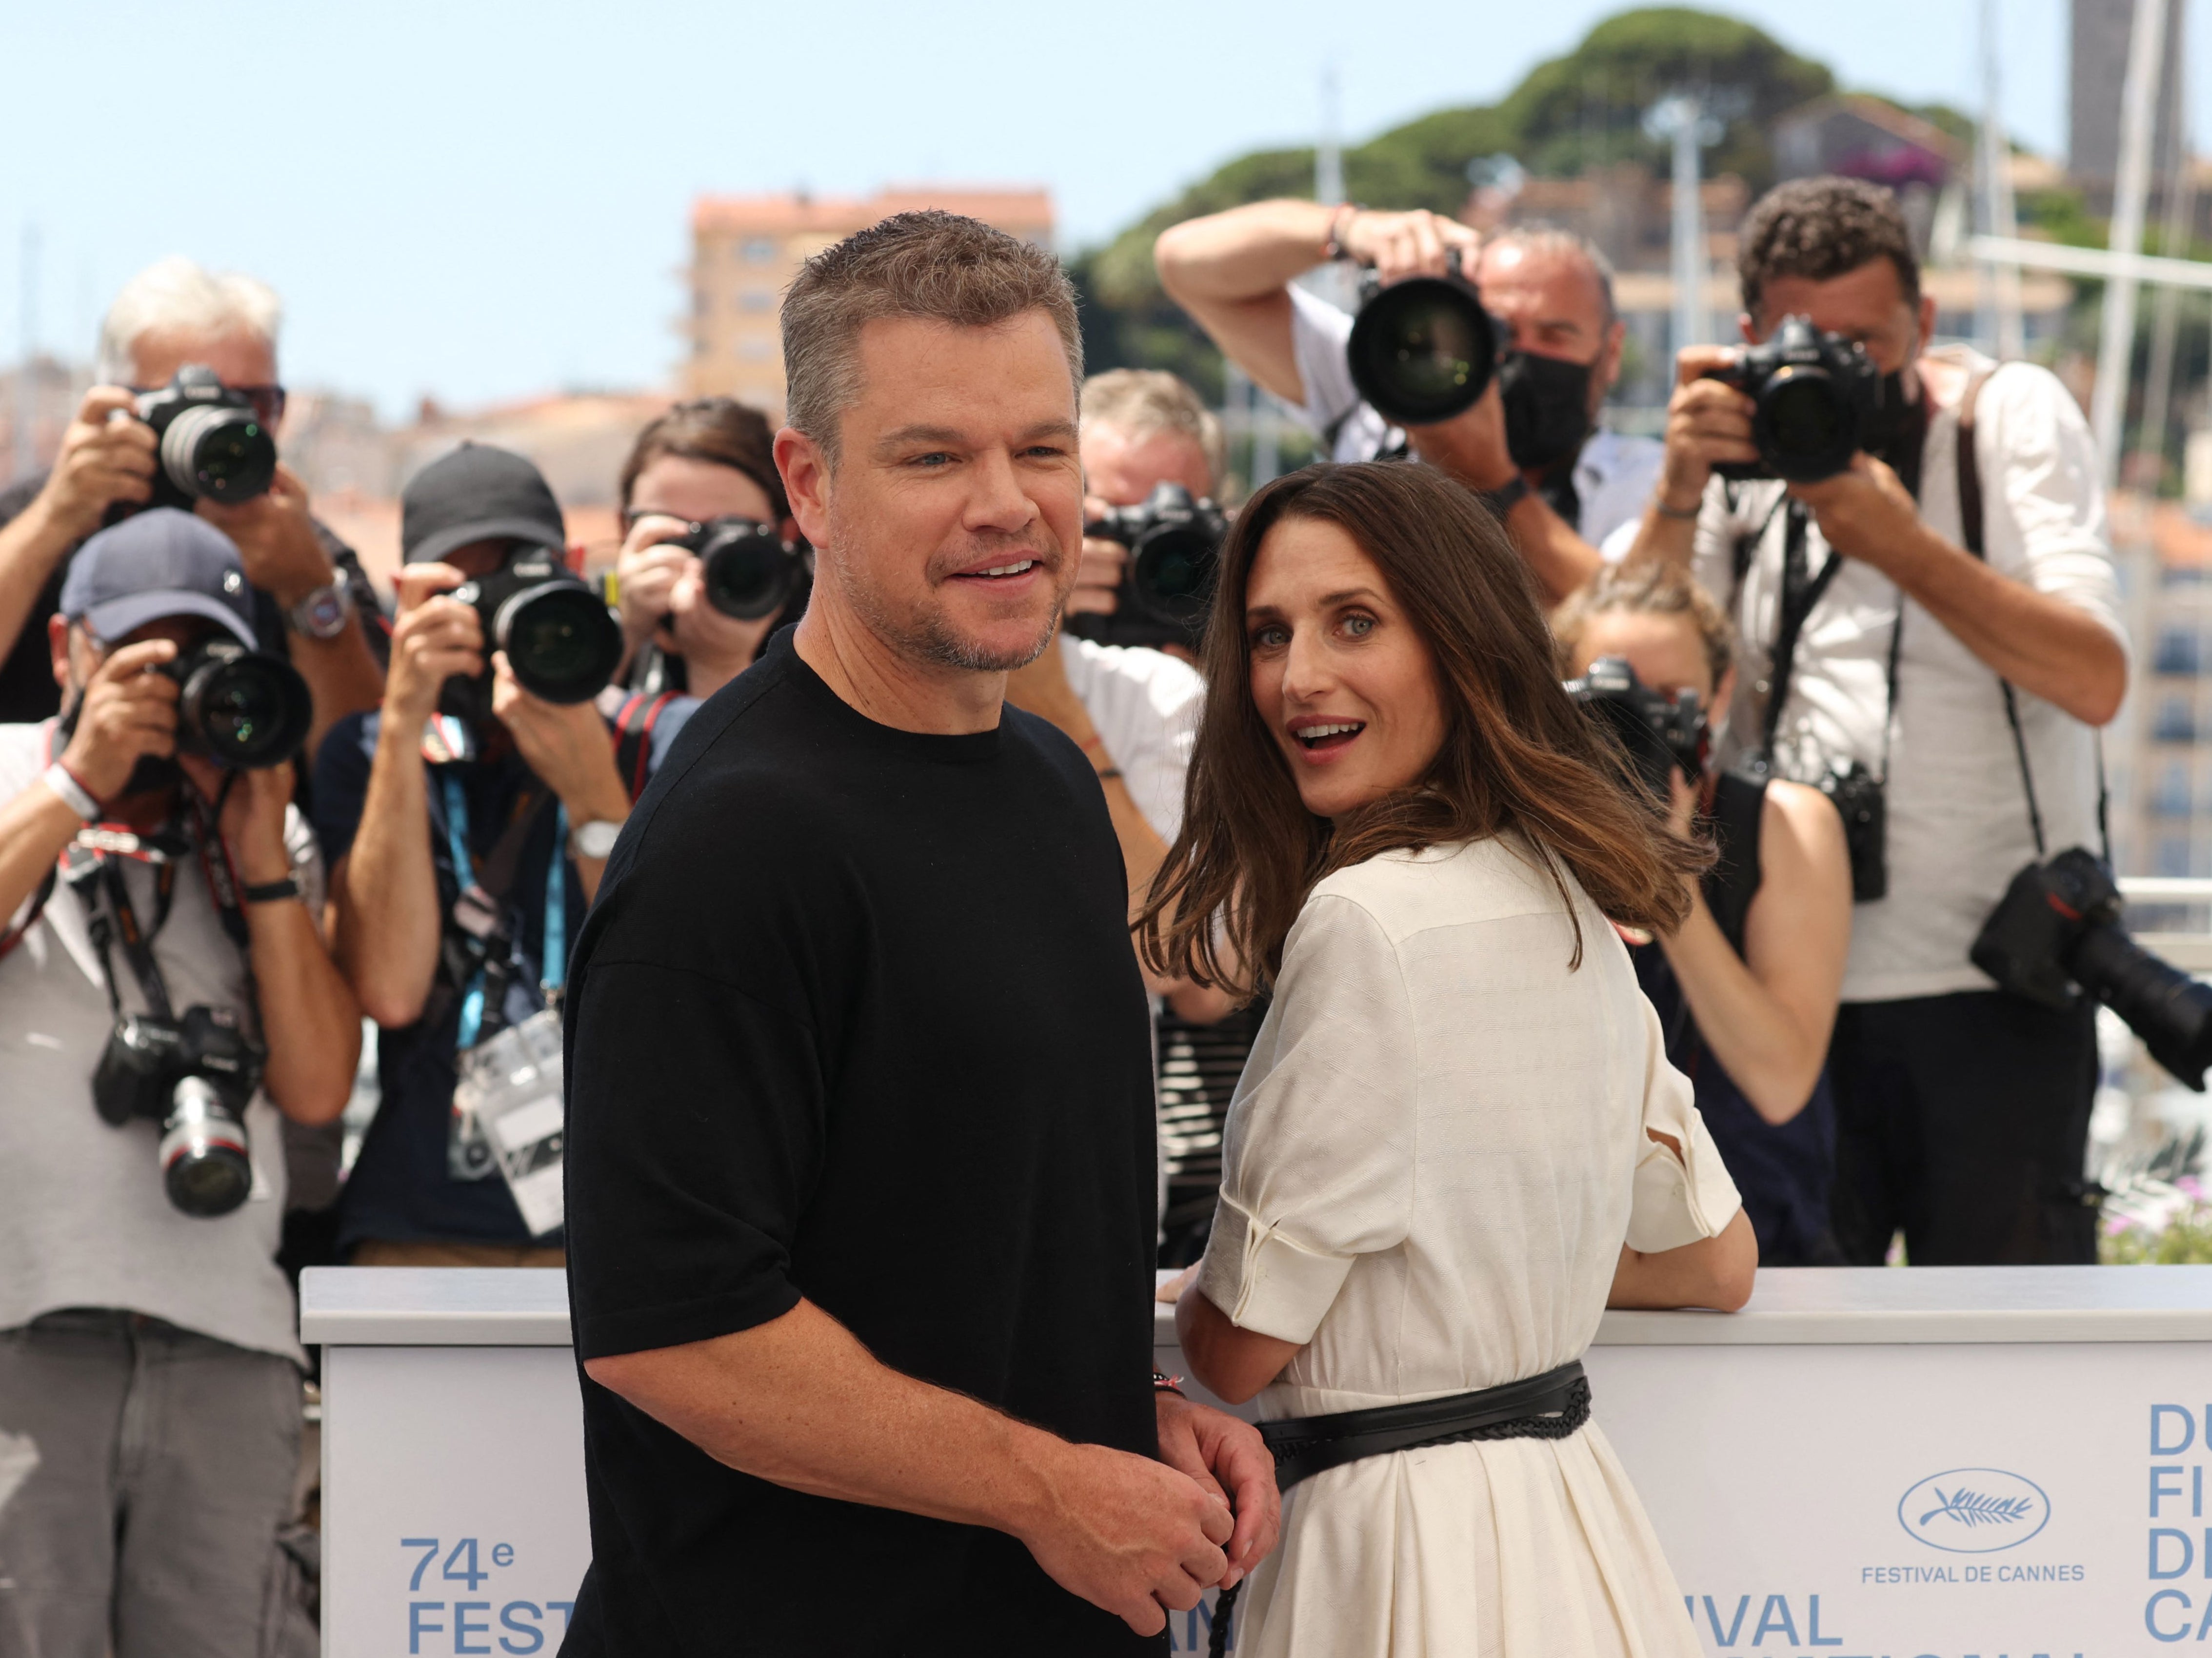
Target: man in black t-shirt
<point x="860" y="1149"/>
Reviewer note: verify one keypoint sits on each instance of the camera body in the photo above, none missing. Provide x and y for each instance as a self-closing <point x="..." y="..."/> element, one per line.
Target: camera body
<point x="751" y="571"/>
<point x="1424" y="349"/>
<point x="210" y="443"/>
<point x="1660" y="732"/>
<point x="1815" y="397"/>
<point x="559" y="636"/>
<point x="2056" y="936"/>
<point x="241" y="709"/>
<point x="194" y="1076"/>
<point x="1175" y="551"/>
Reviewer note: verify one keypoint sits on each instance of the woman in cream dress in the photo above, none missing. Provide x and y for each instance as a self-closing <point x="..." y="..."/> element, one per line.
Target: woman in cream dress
<point x="1458" y="1135"/>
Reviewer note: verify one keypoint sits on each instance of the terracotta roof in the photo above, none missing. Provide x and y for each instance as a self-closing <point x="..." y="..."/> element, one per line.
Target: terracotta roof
<point x="785" y="213"/>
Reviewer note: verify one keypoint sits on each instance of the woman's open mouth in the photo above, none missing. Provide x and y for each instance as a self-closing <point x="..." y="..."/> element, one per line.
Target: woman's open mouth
<point x="1322" y="735"/>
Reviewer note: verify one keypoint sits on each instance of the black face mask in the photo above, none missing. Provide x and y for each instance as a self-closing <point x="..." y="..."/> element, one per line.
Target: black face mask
<point x="1547" y="407"/>
<point x="1898" y="430"/>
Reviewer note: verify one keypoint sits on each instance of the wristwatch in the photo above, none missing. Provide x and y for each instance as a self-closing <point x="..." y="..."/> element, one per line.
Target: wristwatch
<point x="323" y="612"/>
<point x="594" y="838"/>
<point x="1505" y="497"/>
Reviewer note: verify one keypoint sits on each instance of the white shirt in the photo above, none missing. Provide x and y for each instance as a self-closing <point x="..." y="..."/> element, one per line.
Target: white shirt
<point x="1613" y="475"/>
<point x="84" y="1219"/>
<point x="1145" y="705"/>
<point x="1957" y="813"/>
<point x="1436" y="1151"/>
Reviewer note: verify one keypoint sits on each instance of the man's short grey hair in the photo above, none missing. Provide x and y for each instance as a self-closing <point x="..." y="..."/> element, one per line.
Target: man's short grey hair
<point x="932" y="265"/>
<point x="177" y="295"/>
<point x="1146" y="402"/>
<point x="1541" y="238"/>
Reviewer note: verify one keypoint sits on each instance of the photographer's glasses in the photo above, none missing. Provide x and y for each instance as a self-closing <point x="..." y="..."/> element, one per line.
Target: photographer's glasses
<point x="267" y="401"/>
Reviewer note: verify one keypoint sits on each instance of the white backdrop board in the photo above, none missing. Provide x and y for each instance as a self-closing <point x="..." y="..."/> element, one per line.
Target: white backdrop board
<point x="1963" y="1463"/>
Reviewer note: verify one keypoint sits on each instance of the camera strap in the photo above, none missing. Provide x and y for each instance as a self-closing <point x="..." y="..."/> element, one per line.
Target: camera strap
<point x="1801" y="591"/>
<point x="479" y="919"/>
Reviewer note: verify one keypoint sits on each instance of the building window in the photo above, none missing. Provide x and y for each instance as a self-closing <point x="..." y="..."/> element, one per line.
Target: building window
<point x="2176" y="722"/>
<point x="2179" y="651"/>
<point x="2171" y="798"/>
<point x="759" y="250"/>
<point x="756" y="299"/>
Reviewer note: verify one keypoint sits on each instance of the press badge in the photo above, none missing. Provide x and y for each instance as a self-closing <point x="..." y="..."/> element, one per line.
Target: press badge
<point x="507" y="1115"/>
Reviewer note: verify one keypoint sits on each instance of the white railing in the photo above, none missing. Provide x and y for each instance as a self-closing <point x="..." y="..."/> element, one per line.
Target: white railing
<point x="2190" y="951"/>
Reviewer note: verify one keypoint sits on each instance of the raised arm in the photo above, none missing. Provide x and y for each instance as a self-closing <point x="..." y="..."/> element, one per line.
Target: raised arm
<point x="107" y="455"/>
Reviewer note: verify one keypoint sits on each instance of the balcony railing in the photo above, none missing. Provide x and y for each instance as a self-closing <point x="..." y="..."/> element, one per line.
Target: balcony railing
<point x="2188" y="950"/>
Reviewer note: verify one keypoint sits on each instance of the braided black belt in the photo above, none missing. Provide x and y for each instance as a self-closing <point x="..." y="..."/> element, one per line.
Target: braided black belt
<point x="1548" y="1406"/>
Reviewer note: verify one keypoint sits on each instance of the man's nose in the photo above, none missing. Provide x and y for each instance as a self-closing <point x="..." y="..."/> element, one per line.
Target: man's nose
<point x="998" y="500"/>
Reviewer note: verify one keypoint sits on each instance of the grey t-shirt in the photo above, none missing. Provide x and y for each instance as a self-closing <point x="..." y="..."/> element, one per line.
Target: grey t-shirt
<point x="83" y="1219"/>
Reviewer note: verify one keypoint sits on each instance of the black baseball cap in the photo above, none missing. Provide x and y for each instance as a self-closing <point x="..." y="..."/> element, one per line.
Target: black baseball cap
<point x="153" y="564"/>
<point x="477" y="493"/>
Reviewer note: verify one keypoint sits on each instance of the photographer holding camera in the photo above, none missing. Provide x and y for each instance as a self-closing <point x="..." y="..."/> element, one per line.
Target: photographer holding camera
<point x="709" y="566"/>
<point x="1932" y="632"/>
<point x="467" y="822"/>
<point x="132" y="443"/>
<point x="1531" y="442"/>
<point x="1746" y="986"/>
<point x="169" y="996"/>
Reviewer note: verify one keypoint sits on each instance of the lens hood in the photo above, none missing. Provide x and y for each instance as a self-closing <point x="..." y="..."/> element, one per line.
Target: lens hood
<point x="1423" y="350"/>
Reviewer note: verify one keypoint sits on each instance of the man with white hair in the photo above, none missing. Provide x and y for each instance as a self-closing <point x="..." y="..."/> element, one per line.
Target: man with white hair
<point x="312" y="602"/>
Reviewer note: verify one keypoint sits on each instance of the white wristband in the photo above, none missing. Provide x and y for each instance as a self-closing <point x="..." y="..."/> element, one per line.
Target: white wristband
<point x="72" y="792"/>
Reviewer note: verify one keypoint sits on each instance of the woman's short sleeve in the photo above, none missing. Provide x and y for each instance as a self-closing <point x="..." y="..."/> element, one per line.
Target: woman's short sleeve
<point x="1318" y="1162"/>
<point x="1678" y="1200"/>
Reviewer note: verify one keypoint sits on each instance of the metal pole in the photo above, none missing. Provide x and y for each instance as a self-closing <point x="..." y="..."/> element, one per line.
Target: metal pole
<point x="2116" y="344"/>
<point x="2180" y="211"/>
<point x="1690" y="320"/>
<point x="1329" y="153"/>
<point x="1998" y="325"/>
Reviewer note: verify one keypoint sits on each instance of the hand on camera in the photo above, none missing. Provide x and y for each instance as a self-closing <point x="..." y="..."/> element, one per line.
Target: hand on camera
<point x="253" y="815"/>
<point x="1865" y="513"/>
<point x="129" y="710"/>
<point x="433" y="638"/>
<point x="1400" y="244"/>
<point x="1130" y="1534"/>
<point x="1708" y="421"/>
<point x="276" y="539"/>
<point x="647" y="571"/>
<point x="565" y="744"/>
<point x="107" y="455"/>
<point x="1097" y="590"/>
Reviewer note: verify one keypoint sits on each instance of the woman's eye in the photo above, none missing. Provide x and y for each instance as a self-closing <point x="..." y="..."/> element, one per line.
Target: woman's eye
<point x="1359" y="626"/>
<point x="1268" y="639"/>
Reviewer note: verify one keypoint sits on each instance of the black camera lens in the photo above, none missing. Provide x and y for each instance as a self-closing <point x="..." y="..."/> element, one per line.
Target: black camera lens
<point x="559" y="640"/>
<point x="749" y="569"/>
<point x="240" y="707"/>
<point x="1808" y="426"/>
<point x="1423" y="350"/>
<point x="1172" y="575"/>
<point x="205" y="1166"/>
<point x="2165" y="1006"/>
<point x="219" y="454"/>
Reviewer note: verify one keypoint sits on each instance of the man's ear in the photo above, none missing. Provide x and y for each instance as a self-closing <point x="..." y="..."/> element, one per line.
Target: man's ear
<point x="807" y="481"/>
<point x="1748" y="328"/>
<point x="58" y="645"/>
<point x="1927" y="321"/>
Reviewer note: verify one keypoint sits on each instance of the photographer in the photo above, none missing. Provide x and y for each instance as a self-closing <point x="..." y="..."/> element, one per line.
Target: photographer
<point x="311" y="602"/>
<point x="1561" y="482"/>
<point x="505" y="797"/>
<point x="1746" y="986"/>
<point x="1962" y="661"/>
<point x="147" y="1351"/>
<point x="706" y="459"/>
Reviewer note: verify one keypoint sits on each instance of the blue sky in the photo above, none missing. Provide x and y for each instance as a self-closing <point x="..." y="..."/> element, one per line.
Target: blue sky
<point x="480" y="200"/>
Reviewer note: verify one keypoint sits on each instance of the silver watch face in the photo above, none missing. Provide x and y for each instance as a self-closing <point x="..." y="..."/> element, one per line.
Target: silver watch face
<point x="596" y="838"/>
<point x="323" y="613"/>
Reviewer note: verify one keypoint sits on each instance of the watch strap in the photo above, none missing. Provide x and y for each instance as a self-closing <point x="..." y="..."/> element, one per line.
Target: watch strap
<point x="1506" y="497"/>
<point x="271" y="892"/>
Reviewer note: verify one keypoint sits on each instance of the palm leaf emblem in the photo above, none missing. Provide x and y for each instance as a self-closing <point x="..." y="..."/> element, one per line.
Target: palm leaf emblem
<point x="1973" y="1508"/>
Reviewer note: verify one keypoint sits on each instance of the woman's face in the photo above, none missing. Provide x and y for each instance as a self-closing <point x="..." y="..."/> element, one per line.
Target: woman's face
<point x="1665" y="650"/>
<point x="1344" y="682"/>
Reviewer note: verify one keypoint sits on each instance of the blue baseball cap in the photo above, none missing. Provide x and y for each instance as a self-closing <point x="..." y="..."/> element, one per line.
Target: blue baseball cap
<point x="158" y="563"/>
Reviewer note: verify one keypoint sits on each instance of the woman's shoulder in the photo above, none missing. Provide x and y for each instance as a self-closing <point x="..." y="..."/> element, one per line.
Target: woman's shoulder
<point x="1407" y="892"/>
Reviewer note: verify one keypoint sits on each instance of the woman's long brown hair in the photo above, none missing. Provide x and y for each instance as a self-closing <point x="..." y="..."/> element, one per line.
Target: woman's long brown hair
<point x="1518" y="754"/>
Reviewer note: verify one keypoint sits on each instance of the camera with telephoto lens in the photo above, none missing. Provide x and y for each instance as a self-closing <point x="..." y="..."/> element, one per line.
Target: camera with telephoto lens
<point x="1815" y="398"/>
<point x="1174" y="547"/>
<point x="1660" y="732"/>
<point x="194" y="1076"/>
<point x="559" y="636"/>
<point x="241" y="709"/>
<point x="210" y="443"/>
<point x="751" y="570"/>
<point x="1423" y="349"/>
<point x="2055" y="936"/>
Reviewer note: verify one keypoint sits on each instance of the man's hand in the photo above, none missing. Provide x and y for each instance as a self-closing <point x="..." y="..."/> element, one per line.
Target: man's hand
<point x="433" y="639"/>
<point x="1097" y="590"/>
<point x="1866" y="514"/>
<point x="107" y="455"/>
<point x="129" y="710"/>
<point x="253" y="815"/>
<point x="567" y="744"/>
<point x="1227" y="1457"/>
<point x="1469" y="447"/>
<point x="277" y="540"/>
<point x="1708" y="421"/>
<point x="1401" y="245"/>
<point x="1130" y="1534"/>
<point x="647" y="570"/>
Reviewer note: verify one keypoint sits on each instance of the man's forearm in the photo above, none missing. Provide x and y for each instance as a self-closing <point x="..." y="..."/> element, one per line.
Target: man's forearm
<point x="30" y="545"/>
<point x="2046" y="646"/>
<point x="798" y="1401"/>
<point x="1244" y="253"/>
<point x="34" y="826"/>
<point x="1560" y="559"/>
<point x="342" y="675"/>
<point x="388" y="914"/>
<point x="309" y="1017"/>
<point x="1665" y="536"/>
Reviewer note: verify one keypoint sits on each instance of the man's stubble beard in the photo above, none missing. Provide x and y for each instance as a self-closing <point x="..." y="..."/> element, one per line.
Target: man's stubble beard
<point x="926" y="638"/>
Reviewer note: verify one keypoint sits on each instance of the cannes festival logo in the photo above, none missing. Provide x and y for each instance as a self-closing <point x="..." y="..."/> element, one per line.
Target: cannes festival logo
<point x="1974" y="1510"/>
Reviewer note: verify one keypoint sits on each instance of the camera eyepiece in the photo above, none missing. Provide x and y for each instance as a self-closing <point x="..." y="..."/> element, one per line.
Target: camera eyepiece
<point x="212" y="444"/>
<point x="1424" y="349"/>
<point x="558" y="635"/>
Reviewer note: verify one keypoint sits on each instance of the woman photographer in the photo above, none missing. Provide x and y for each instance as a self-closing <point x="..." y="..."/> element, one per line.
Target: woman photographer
<point x="1747" y="985"/>
<point x="1458" y="1136"/>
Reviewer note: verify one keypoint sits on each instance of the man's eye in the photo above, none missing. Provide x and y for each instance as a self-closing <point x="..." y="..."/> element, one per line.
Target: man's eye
<point x="936" y="458"/>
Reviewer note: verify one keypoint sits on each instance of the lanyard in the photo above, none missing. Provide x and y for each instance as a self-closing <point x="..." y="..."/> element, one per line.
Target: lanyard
<point x="553" y="955"/>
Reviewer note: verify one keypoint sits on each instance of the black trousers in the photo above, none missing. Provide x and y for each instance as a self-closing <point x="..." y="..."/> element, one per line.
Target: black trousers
<point x="1963" y="1120"/>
